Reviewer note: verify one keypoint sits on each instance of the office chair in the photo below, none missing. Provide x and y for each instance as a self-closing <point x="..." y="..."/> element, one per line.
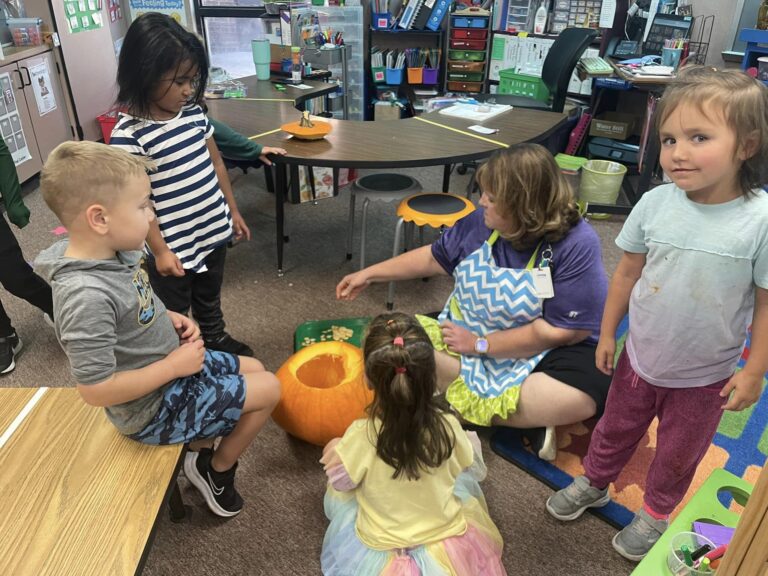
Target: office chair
<point x="556" y="73"/>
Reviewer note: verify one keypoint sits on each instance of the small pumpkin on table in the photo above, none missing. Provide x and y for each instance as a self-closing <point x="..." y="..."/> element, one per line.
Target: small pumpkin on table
<point x="306" y="128"/>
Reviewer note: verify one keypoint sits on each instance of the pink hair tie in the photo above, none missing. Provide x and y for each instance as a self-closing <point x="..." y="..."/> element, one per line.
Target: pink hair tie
<point x="400" y="370"/>
<point x="398" y="341"/>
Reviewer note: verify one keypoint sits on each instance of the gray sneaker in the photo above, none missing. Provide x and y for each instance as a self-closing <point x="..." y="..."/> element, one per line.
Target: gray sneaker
<point x="635" y="540"/>
<point x="571" y="502"/>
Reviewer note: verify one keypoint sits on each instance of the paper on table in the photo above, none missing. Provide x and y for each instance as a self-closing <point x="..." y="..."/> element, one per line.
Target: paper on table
<point x="607" y="13"/>
<point x="482" y="129"/>
<point x="472" y="111"/>
<point x="299" y="86"/>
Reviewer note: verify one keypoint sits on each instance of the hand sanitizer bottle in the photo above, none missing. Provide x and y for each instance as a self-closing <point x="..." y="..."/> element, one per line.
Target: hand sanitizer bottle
<point x="540" y="20"/>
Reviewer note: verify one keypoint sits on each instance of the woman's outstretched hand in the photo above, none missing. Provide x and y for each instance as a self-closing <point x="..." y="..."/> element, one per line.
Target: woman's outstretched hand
<point x="351" y="285"/>
<point x="606" y="350"/>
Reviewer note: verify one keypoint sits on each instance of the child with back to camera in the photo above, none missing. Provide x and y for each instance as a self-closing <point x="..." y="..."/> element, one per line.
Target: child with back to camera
<point x="694" y="273"/>
<point x="162" y="73"/>
<point x="403" y="494"/>
<point x="147" y="368"/>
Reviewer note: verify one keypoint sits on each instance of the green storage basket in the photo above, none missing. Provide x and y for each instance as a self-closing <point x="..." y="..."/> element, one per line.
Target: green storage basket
<point x="522" y="85"/>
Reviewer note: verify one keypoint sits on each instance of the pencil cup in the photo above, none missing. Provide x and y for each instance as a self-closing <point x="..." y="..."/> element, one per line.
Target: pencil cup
<point x="671" y="57"/>
<point x="676" y="557"/>
<point x="261" y="57"/>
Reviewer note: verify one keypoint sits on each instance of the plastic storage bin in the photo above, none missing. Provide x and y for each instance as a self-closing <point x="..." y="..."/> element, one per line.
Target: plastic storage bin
<point x="394" y="76"/>
<point x="415" y="75"/>
<point x="429" y="76"/>
<point x="107" y="122"/>
<point x="471" y="55"/>
<point x="26" y="31"/>
<point x="466" y="66"/>
<point x="468" y="44"/>
<point x="469" y="22"/>
<point x="466" y="76"/>
<point x="601" y="181"/>
<point x="462" y="33"/>
<point x="522" y="85"/>
<point x="465" y="86"/>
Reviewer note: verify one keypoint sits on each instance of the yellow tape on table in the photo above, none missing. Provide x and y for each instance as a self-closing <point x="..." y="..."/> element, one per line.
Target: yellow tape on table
<point x="502" y="144"/>
<point x="264" y="134"/>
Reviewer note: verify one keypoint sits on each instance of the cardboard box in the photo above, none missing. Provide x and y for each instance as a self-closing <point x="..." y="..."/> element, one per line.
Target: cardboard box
<point x="614" y="125"/>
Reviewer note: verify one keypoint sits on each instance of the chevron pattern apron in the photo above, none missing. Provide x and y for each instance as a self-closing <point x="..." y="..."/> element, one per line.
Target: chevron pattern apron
<point x="487" y="298"/>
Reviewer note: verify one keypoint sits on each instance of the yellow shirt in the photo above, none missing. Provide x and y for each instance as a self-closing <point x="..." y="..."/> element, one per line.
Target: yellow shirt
<point x="401" y="513"/>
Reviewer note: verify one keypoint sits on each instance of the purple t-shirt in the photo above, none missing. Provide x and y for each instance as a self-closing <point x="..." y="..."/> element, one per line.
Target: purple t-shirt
<point x="578" y="275"/>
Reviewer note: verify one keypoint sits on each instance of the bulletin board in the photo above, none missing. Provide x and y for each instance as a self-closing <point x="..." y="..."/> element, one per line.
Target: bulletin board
<point x="83" y="15"/>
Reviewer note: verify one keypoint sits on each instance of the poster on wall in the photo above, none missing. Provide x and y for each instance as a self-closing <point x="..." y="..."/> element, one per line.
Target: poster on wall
<point x="83" y="15"/>
<point x="41" y="85"/>
<point x="10" y="123"/>
<point x="173" y="8"/>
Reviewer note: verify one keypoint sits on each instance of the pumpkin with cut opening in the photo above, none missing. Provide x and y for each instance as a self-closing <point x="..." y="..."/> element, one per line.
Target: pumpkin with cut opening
<point x="323" y="391"/>
<point x="306" y="128"/>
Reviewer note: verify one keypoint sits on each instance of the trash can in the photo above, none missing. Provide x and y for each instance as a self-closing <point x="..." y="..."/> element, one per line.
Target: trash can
<point x="601" y="181"/>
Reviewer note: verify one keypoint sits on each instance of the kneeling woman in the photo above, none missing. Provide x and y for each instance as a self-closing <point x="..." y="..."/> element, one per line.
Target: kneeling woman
<point x="515" y="342"/>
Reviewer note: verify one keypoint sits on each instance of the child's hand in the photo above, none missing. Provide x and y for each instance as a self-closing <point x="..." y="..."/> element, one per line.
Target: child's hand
<point x="457" y="338"/>
<point x="186" y="328"/>
<point x="605" y="353"/>
<point x="187" y="359"/>
<point x="266" y="150"/>
<point x="746" y="388"/>
<point x="351" y="285"/>
<point x="168" y="264"/>
<point x="240" y="227"/>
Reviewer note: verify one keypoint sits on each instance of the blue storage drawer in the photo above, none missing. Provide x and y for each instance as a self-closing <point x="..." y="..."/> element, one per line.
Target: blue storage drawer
<point x="469" y="21"/>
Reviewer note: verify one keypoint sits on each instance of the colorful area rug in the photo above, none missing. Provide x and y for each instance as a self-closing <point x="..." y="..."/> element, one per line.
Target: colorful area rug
<point x="740" y="447"/>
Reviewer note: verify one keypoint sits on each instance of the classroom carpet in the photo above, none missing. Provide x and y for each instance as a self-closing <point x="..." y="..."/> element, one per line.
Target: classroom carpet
<point x="740" y="446"/>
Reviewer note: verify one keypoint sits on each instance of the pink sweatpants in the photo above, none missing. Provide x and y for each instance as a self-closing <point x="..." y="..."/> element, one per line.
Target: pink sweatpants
<point x="688" y="420"/>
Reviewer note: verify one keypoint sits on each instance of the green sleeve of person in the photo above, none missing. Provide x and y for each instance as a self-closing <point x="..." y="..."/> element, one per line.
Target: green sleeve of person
<point x="232" y="144"/>
<point x="10" y="189"/>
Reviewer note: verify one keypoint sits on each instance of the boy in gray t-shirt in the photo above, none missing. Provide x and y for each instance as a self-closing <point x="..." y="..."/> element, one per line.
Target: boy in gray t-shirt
<point x="145" y="365"/>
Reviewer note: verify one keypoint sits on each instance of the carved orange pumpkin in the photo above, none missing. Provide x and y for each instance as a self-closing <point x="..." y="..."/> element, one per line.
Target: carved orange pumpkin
<point x="323" y="391"/>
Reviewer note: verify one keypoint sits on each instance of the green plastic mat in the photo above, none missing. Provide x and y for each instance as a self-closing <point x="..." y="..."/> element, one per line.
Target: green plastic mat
<point x="350" y="330"/>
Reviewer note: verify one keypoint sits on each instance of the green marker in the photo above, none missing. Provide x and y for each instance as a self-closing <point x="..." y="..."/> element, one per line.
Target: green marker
<point x="704" y="565"/>
<point x="280" y="87"/>
<point x="686" y="555"/>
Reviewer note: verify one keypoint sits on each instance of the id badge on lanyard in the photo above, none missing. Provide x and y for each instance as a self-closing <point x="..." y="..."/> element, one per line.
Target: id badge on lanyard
<point x="542" y="276"/>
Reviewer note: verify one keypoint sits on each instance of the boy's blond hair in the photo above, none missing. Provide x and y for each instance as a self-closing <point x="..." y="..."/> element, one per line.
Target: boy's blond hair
<point x="743" y="102"/>
<point x="530" y="193"/>
<point x="80" y="174"/>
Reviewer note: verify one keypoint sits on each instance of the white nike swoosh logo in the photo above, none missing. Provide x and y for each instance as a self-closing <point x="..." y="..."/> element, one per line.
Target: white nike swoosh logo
<point x="216" y="490"/>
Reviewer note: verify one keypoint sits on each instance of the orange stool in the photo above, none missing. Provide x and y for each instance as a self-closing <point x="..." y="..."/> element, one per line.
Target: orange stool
<point x="435" y="209"/>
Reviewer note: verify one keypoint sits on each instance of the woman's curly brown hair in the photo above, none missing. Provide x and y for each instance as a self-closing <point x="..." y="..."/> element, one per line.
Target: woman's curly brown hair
<point x="530" y="193"/>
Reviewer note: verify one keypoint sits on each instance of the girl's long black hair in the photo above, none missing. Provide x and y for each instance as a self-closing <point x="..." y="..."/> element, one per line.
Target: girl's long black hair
<point x="155" y="45"/>
<point x="400" y="367"/>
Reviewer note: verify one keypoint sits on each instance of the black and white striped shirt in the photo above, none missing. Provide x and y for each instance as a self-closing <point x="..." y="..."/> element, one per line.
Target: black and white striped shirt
<point x="191" y="210"/>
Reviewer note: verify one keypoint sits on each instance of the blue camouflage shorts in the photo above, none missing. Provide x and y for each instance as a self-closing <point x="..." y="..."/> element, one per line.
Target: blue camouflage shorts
<point x="204" y="405"/>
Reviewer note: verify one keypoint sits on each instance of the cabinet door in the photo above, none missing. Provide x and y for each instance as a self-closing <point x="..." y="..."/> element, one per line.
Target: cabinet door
<point x="45" y="102"/>
<point x="15" y="124"/>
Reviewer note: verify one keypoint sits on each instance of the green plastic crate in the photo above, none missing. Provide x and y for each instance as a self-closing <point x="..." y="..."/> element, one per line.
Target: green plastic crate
<point x="522" y="85"/>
